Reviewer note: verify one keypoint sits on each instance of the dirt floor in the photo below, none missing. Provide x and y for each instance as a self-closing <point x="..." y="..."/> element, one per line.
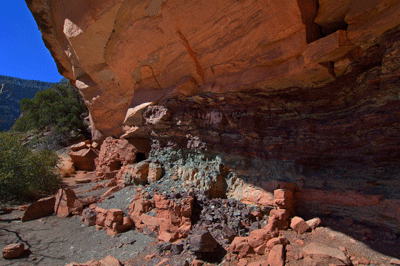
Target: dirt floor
<point x="58" y="241"/>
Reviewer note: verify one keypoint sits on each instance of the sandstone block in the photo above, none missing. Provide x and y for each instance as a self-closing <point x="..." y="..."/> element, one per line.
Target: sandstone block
<point x="83" y="159"/>
<point x="285" y="194"/>
<point x="167" y="237"/>
<point x="79" y="146"/>
<point x="134" y="116"/>
<point x="13" y="251"/>
<point x="162" y="203"/>
<point x="134" y="132"/>
<point x="299" y="225"/>
<point x="114" y="154"/>
<point x="66" y="203"/>
<point x="127" y="224"/>
<point x="149" y="221"/>
<point x="279" y="219"/>
<point x="314" y="223"/>
<point x="260" y="250"/>
<point x="276" y="256"/>
<point x="95" y="145"/>
<point x="259" y="237"/>
<point x="114" y="215"/>
<point x="100" y="217"/>
<point x="241" y="246"/>
<point x="163" y="262"/>
<point x="140" y="206"/>
<point x="38" y="209"/>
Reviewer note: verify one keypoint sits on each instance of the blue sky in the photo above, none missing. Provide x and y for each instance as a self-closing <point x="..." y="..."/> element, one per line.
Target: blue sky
<point x="22" y="51"/>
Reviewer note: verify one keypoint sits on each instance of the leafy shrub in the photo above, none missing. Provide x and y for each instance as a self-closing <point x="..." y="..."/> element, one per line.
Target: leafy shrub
<point x="60" y="107"/>
<point x="25" y="174"/>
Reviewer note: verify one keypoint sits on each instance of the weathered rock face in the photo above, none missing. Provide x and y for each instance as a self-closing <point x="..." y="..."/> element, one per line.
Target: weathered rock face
<point x="296" y="91"/>
<point x="339" y="144"/>
<point x="121" y="54"/>
<point x="354" y="118"/>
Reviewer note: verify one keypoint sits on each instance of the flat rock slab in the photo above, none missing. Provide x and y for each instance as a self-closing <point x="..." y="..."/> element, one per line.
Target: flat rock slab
<point x="316" y="249"/>
<point x="39" y="209"/>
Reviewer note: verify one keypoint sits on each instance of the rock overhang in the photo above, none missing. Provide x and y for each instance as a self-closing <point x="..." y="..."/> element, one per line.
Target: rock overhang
<point x="121" y="54"/>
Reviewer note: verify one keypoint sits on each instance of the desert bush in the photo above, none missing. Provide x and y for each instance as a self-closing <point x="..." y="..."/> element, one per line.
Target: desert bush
<point x="25" y="174"/>
<point x="60" y="107"/>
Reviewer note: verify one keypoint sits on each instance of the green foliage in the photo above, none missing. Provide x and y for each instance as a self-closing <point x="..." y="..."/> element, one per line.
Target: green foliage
<point x="60" y="107"/>
<point x="25" y="174"/>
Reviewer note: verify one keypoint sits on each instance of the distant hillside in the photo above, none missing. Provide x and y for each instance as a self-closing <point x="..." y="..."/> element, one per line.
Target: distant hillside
<point x="14" y="90"/>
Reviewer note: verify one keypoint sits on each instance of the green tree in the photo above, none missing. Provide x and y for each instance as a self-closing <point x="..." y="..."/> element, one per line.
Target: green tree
<point x="60" y="107"/>
<point x="25" y="174"/>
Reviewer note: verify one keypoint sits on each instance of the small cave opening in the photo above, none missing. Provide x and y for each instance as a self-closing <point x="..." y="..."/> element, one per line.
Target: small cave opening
<point x="140" y="156"/>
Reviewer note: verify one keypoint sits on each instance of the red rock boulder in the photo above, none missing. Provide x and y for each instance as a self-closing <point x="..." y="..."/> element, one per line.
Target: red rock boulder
<point x="84" y="159"/>
<point x="114" y="154"/>
<point x="13" y="251"/>
<point x="38" y="209"/>
<point x="278" y="219"/>
<point x="299" y="225"/>
<point x="241" y="247"/>
<point x="67" y="203"/>
<point x="112" y="220"/>
<point x="276" y="256"/>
